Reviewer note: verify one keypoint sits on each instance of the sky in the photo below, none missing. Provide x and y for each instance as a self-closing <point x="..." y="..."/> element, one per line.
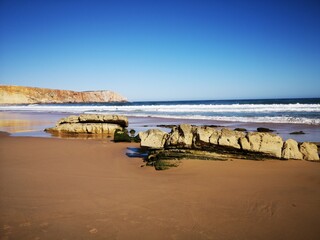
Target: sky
<point x="164" y="50"/>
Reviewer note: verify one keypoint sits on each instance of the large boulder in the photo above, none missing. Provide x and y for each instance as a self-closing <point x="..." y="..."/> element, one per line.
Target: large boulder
<point x="230" y="138"/>
<point x="266" y="143"/>
<point x="291" y="150"/>
<point x="153" y="138"/>
<point x="181" y="136"/>
<point x="309" y="151"/>
<point x="90" y="124"/>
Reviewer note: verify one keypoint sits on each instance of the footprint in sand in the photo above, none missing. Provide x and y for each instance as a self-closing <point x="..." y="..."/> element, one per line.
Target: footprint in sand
<point x="93" y="231"/>
<point x="6" y="227"/>
<point x="25" y="224"/>
<point x="44" y="224"/>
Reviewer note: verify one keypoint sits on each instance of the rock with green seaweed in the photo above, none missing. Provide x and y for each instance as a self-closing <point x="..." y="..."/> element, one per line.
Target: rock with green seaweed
<point x="123" y="136"/>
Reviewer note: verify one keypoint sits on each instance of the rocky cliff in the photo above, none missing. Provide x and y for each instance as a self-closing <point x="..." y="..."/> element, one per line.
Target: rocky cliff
<point x="30" y="95"/>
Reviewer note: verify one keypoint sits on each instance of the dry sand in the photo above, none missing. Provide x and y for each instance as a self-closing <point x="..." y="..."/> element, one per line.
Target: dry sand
<point x="90" y="189"/>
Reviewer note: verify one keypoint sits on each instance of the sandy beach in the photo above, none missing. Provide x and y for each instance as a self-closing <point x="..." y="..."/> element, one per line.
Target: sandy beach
<point x="90" y="189"/>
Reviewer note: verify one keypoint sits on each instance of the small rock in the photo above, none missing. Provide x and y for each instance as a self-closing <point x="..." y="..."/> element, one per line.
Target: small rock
<point x="298" y="132"/>
<point x="262" y="129"/>
<point x="240" y="129"/>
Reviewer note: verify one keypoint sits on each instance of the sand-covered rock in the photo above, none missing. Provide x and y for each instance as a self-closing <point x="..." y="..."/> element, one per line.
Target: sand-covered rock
<point x="91" y="124"/>
<point x="309" y="151"/>
<point x="153" y="138"/>
<point x="291" y="150"/>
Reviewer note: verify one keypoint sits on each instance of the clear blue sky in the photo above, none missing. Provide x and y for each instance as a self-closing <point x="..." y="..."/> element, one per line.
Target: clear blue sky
<point x="164" y="50"/>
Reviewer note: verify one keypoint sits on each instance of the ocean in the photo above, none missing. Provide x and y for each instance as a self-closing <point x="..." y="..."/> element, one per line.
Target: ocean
<point x="293" y="111"/>
<point x="294" y="114"/>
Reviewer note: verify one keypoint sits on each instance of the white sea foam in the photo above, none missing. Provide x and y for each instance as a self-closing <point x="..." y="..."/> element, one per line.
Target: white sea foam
<point x="171" y="108"/>
<point x="276" y="113"/>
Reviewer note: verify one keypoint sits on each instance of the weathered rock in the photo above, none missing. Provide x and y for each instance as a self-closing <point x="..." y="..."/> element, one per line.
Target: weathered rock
<point x="181" y="136"/>
<point x="271" y="144"/>
<point x="91" y="124"/>
<point x="90" y="128"/>
<point x="206" y="135"/>
<point x="309" y="151"/>
<point x="251" y="142"/>
<point x="69" y="119"/>
<point x="29" y="95"/>
<point x="203" y="142"/>
<point x="291" y="150"/>
<point x="153" y="138"/>
<point x="230" y="138"/>
<point x="266" y="143"/>
<point x="96" y="118"/>
<point x="245" y="144"/>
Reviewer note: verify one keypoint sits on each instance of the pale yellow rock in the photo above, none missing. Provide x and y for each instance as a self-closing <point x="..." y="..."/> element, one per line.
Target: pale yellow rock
<point x="69" y="119"/>
<point x="181" y="136"/>
<point x="91" y="128"/>
<point x="271" y="144"/>
<point x="153" y="138"/>
<point x="215" y="137"/>
<point x="230" y="138"/>
<point x="309" y="151"/>
<point x="203" y="134"/>
<point x="254" y="139"/>
<point x="99" y="118"/>
<point x="91" y="124"/>
<point x="245" y="145"/>
<point x="267" y="143"/>
<point x="291" y="150"/>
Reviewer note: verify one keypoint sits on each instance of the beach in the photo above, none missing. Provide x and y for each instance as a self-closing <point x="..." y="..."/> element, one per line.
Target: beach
<point x="91" y="189"/>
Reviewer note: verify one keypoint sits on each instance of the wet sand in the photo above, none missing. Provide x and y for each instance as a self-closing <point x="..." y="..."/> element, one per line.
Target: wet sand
<point x="32" y="124"/>
<point x="90" y="189"/>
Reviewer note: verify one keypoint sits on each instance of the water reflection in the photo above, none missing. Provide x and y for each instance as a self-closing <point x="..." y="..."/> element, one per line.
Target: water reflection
<point x="80" y="135"/>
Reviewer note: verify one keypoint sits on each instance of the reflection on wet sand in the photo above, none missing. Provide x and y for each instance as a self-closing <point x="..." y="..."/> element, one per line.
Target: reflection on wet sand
<point x="17" y="125"/>
<point x="80" y="135"/>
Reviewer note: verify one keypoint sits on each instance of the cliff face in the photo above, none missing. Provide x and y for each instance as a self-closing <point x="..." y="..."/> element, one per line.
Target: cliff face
<point x="30" y="95"/>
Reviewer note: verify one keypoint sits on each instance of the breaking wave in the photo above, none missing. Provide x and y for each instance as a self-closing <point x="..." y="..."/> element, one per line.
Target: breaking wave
<point x="294" y="113"/>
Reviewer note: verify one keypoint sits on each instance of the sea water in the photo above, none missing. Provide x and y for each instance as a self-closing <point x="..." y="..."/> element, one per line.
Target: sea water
<point x="282" y="115"/>
<point x="292" y="111"/>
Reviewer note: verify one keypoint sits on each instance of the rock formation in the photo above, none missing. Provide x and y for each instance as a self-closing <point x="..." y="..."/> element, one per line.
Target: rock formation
<point x="153" y="138"/>
<point x="90" y="124"/>
<point x="186" y="141"/>
<point x="309" y="151"/>
<point x="291" y="150"/>
<point x="32" y="95"/>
